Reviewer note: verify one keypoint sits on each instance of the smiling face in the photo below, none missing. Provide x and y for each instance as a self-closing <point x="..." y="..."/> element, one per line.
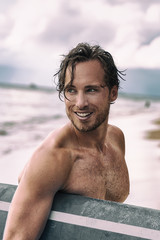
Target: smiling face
<point x="88" y="98"/>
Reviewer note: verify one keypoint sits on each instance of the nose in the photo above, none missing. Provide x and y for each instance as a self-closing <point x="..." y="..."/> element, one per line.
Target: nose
<point x="81" y="100"/>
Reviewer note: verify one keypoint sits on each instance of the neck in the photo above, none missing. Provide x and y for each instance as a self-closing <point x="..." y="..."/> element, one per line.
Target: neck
<point x="92" y="139"/>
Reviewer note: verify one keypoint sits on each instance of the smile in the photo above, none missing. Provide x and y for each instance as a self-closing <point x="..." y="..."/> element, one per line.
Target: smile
<point x="83" y="115"/>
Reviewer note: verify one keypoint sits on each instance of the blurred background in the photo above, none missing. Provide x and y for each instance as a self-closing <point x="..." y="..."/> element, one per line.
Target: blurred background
<point x="33" y="36"/>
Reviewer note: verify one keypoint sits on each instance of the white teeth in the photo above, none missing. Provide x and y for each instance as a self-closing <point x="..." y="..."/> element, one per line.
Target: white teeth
<point x="83" y="114"/>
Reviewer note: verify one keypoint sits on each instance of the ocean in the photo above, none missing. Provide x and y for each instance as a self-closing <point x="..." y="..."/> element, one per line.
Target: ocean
<point x="27" y="115"/>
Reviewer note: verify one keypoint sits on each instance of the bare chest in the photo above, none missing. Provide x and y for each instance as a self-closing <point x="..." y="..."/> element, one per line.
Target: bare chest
<point x="102" y="177"/>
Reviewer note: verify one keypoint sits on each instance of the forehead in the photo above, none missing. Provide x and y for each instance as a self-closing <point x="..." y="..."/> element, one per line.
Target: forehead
<point x="89" y="72"/>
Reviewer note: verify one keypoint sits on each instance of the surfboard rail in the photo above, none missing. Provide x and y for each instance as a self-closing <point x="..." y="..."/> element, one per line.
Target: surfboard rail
<point x="77" y="217"/>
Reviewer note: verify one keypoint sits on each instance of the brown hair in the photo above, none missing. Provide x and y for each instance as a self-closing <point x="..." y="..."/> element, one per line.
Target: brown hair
<point x="85" y="52"/>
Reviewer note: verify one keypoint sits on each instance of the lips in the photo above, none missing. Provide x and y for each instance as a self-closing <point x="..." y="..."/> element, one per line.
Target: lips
<point x="83" y="115"/>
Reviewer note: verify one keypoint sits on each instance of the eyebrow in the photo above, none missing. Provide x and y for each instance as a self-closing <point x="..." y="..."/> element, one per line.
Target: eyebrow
<point x="93" y="86"/>
<point x="69" y="85"/>
<point x="86" y="87"/>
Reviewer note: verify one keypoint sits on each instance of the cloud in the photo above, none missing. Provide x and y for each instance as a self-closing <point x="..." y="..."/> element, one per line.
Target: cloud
<point x="34" y="33"/>
<point x="147" y="55"/>
<point x="149" y="27"/>
<point x="60" y="30"/>
<point x="5" y="5"/>
<point x="148" y="35"/>
<point x="143" y="3"/>
<point x="6" y="26"/>
<point x="71" y="30"/>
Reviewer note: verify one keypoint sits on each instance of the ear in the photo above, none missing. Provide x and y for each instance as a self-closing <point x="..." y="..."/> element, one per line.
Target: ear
<point x="113" y="93"/>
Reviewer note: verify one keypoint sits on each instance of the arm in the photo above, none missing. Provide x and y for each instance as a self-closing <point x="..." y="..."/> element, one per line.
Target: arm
<point x="121" y="143"/>
<point x="118" y="141"/>
<point x="46" y="172"/>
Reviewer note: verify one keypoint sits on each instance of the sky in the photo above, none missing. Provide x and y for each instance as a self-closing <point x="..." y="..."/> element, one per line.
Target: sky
<point x="35" y="33"/>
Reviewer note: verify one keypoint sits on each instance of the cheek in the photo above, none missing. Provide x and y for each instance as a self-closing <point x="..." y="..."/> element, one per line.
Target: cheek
<point x="103" y="99"/>
<point x="68" y="106"/>
<point x="67" y="103"/>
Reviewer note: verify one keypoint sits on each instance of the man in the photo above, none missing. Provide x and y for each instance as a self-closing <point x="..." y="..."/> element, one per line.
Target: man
<point x="84" y="157"/>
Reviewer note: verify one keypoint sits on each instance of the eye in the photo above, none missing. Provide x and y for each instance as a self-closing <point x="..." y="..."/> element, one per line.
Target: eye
<point x="70" y="93"/>
<point x="91" y="90"/>
<point x="70" y="90"/>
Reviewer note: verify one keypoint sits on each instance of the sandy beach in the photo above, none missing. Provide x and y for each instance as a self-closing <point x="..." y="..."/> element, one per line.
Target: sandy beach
<point x="140" y="125"/>
<point x="143" y="160"/>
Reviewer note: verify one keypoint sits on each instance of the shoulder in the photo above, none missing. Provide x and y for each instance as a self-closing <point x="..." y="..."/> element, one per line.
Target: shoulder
<point x="117" y="136"/>
<point x="50" y="158"/>
<point x="48" y="167"/>
<point x="115" y="130"/>
<point x="53" y="149"/>
<point x="58" y="138"/>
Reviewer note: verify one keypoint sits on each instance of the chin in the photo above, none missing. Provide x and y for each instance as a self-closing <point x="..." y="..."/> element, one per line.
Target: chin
<point x="84" y="128"/>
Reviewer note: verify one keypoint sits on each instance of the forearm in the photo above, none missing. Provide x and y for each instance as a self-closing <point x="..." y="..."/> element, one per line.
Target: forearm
<point x="27" y="221"/>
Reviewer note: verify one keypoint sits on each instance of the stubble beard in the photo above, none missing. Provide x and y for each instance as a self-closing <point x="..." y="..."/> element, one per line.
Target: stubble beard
<point x="86" y="127"/>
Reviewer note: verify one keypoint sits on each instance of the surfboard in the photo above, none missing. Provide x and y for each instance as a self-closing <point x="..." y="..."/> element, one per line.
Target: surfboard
<point x="75" y="217"/>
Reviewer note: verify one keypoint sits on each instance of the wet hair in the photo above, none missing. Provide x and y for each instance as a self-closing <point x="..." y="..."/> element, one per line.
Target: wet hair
<point x="84" y="52"/>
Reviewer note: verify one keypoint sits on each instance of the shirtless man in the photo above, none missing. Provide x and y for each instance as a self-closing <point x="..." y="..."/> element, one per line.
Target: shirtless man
<point x="86" y="156"/>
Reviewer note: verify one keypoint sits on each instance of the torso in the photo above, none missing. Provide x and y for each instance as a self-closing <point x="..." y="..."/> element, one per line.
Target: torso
<point x="97" y="175"/>
<point x="87" y="171"/>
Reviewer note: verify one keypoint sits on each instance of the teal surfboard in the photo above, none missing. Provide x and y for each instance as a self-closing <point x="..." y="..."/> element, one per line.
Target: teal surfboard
<point x="75" y="217"/>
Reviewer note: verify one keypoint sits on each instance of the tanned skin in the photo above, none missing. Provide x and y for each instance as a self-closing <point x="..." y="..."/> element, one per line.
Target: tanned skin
<point x="86" y="156"/>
